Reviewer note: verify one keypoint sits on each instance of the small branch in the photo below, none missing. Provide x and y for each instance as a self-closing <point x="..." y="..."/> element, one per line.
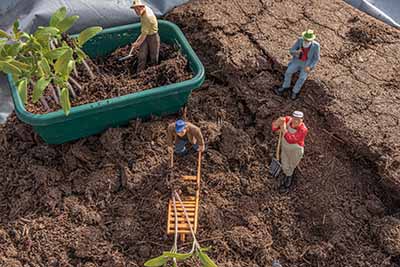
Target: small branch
<point x="91" y="74"/>
<point x="71" y="89"/>
<point x="53" y="92"/>
<point x="72" y="80"/>
<point x="58" y="91"/>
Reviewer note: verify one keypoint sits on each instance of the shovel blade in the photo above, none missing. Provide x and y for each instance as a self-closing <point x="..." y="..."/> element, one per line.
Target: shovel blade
<point x="124" y="58"/>
<point x="275" y="168"/>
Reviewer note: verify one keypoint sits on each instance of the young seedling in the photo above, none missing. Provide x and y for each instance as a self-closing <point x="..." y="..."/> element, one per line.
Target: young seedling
<point x="173" y="256"/>
<point x="45" y="60"/>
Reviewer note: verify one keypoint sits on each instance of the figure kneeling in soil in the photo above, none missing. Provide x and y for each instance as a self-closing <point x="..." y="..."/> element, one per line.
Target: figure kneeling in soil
<point x="182" y="132"/>
<point x="294" y="133"/>
<point x="149" y="39"/>
<point x="306" y="55"/>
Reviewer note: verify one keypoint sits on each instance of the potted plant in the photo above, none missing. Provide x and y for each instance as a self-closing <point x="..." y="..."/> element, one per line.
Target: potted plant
<point x="47" y="59"/>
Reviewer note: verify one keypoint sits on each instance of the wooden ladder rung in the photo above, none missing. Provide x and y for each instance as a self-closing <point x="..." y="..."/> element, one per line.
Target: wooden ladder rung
<point x="189" y="178"/>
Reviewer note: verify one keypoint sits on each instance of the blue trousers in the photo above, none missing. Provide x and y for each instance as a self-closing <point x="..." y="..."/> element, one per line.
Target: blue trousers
<point x="180" y="147"/>
<point x="294" y="66"/>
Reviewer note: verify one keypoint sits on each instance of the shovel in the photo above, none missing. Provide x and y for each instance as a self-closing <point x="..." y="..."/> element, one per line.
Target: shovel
<point x="275" y="166"/>
<point x="128" y="56"/>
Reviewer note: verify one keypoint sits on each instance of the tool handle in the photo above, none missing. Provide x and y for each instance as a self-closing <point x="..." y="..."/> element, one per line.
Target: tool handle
<point x="130" y="52"/>
<point x="278" y="146"/>
<point x="198" y="168"/>
<point x="171" y="164"/>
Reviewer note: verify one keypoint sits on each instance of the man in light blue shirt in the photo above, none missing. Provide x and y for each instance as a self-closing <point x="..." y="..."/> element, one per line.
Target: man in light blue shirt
<point x="306" y="55"/>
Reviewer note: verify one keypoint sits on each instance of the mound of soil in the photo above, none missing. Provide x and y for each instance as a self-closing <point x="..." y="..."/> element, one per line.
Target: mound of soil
<point x="115" y="185"/>
<point x="387" y="231"/>
<point x="115" y="78"/>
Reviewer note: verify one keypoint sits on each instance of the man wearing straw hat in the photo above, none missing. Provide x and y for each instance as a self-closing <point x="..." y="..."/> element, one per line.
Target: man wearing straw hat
<point x="306" y="55"/>
<point x="294" y="133"/>
<point x="149" y="39"/>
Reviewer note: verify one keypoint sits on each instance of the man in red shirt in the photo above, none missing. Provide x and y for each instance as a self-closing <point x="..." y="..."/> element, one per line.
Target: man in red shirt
<point x="294" y="133"/>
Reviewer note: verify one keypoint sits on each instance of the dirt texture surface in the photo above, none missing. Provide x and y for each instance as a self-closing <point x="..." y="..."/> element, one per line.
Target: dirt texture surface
<point x="102" y="201"/>
<point x="117" y="78"/>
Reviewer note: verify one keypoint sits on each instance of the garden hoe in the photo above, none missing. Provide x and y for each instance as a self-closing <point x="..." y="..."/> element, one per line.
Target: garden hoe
<point x="275" y="166"/>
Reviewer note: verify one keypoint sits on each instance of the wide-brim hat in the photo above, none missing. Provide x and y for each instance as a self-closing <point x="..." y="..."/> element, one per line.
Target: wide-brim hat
<point x="180" y="125"/>
<point x="137" y="3"/>
<point x="309" y="35"/>
<point x="298" y="114"/>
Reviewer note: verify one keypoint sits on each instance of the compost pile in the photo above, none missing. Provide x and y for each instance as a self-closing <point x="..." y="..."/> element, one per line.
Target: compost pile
<point x="102" y="200"/>
<point x="117" y="78"/>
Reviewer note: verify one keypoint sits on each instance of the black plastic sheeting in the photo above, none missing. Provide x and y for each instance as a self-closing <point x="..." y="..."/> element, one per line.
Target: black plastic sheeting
<point x="34" y="13"/>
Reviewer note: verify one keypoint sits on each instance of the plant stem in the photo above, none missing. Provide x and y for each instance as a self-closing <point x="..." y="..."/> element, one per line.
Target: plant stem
<point x="53" y="91"/>
<point x="75" y="83"/>
<point x="175" y="247"/>
<point x="76" y="72"/>
<point x="58" y="91"/>
<point x="44" y="103"/>
<point x="195" y="243"/>
<point x="88" y="69"/>
<point x="71" y="89"/>
<point x="52" y="45"/>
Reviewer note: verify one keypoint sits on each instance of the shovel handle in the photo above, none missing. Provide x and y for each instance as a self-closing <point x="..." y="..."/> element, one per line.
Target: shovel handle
<point x="198" y="169"/>
<point x="278" y="146"/>
<point x="171" y="163"/>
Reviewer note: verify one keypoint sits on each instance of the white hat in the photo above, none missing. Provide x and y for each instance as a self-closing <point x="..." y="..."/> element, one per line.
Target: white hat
<point x="136" y="3"/>
<point x="298" y="114"/>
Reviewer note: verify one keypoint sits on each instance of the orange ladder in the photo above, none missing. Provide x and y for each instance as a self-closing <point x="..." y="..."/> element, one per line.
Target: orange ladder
<point x="191" y="205"/>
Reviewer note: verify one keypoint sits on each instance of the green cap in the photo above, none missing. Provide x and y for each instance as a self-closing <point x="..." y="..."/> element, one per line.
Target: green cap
<point x="309" y="35"/>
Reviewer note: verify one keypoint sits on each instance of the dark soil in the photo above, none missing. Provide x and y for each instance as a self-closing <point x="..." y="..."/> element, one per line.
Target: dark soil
<point x="115" y="78"/>
<point x="102" y="201"/>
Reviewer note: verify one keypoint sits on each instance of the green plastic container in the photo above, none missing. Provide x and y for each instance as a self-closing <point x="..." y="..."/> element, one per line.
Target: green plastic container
<point x="89" y="119"/>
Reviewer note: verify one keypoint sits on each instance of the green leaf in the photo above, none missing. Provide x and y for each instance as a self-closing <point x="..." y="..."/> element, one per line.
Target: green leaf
<point x="16" y="27"/>
<point x="39" y="88"/>
<point x="12" y="50"/>
<point x="2" y="43"/>
<point x="205" y="249"/>
<point x="67" y="23"/>
<point x="46" y="31"/>
<point x="3" y="34"/>
<point x="81" y="55"/>
<point x="70" y="67"/>
<point x="87" y="34"/>
<point x="23" y="90"/>
<point x="45" y="67"/>
<point x="61" y="65"/>
<point x="22" y="66"/>
<point x="58" y="16"/>
<point x="56" y="53"/>
<point x="9" y="68"/>
<point x="205" y="260"/>
<point x="156" y="262"/>
<point x="65" y="102"/>
<point x="178" y="256"/>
